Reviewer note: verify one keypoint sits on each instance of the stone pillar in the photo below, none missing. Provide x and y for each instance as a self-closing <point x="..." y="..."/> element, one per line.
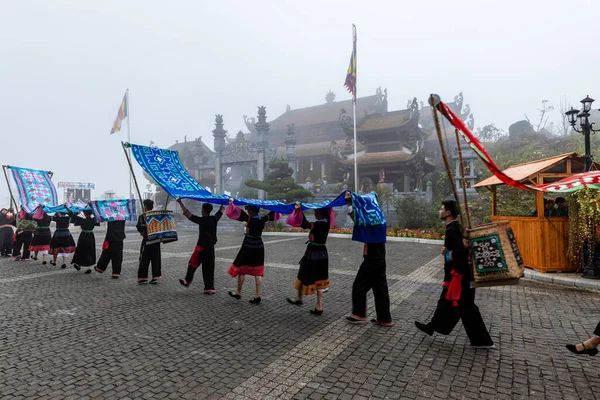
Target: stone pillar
<point x="323" y="173"/>
<point x="406" y="182"/>
<point x="218" y="175"/>
<point x="219" y="144"/>
<point x="290" y="150"/>
<point x="260" y="172"/>
<point x="429" y="192"/>
<point x="262" y="143"/>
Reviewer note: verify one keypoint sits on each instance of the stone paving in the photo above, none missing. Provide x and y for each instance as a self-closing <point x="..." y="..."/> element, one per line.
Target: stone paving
<point x="66" y="335"/>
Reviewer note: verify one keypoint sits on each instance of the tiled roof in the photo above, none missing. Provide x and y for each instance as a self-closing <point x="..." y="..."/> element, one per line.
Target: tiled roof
<point x="381" y="158"/>
<point x="188" y="145"/>
<point x="324" y="113"/>
<point x="318" y="149"/>
<point x="389" y="120"/>
<point x="522" y="172"/>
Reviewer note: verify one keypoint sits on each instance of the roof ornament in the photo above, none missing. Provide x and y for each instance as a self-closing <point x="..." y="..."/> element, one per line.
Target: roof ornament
<point x="329" y="97"/>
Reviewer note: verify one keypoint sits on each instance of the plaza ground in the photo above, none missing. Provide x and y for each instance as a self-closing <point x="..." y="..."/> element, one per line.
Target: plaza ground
<point x="66" y="335"/>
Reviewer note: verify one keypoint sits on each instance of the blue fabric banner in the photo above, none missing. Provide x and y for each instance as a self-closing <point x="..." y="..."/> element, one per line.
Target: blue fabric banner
<point x="165" y="167"/>
<point x="35" y="187"/>
<point x="168" y="171"/>
<point x="369" y="221"/>
<point x="114" y="210"/>
<point x="73" y="207"/>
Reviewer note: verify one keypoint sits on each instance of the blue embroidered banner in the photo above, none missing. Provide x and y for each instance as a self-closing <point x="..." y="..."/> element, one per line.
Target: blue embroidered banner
<point x="165" y="167"/>
<point x="73" y="207"/>
<point x="369" y="221"/>
<point x="35" y="187"/>
<point x="114" y="210"/>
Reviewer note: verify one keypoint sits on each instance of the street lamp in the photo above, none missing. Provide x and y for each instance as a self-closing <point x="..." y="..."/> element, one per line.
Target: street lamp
<point x="590" y="268"/>
<point x="585" y="127"/>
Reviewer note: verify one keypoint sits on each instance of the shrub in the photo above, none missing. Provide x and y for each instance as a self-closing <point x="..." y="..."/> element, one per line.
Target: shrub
<point x="415" y="213"/>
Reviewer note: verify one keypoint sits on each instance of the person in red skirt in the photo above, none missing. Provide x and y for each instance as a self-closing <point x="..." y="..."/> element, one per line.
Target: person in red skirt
<point x="250" y="260"/>
<point x="313" y="276"/>
<point x="42" y="235"/>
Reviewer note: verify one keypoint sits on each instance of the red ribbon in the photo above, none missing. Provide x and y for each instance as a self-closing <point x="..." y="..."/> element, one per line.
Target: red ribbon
<point x="454" y="288"/>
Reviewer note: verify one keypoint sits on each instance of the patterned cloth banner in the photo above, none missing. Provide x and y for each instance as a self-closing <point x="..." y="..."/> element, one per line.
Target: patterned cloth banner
<point x="35" y="187"/>
<point x="75" y="208"/>
<point x="283" y="208"/>
<point x="585" y="180"/>
<point x="369" y="221"/>
<point x="165" y="167"/>
<point x="114" y="210"/>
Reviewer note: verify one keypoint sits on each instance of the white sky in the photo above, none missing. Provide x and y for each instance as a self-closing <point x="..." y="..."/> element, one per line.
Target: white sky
<point x="65" y="66"/>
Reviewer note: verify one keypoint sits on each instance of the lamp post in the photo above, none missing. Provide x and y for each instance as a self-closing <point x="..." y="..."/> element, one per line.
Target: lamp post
<point x="590" y="269"/>
<point x="585" y="127"/>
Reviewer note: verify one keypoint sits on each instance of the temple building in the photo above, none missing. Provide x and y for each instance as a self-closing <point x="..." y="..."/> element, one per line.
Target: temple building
<point x="397" y="148"/>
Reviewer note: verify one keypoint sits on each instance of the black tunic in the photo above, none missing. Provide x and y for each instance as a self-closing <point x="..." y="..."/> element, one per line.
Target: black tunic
<point x="115" y="231"/>
<point x="207" y="229"/>
<point x="85" y="254"/>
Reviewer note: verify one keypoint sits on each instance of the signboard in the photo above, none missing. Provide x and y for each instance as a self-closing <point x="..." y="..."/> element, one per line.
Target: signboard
<point x="76" y="185"/>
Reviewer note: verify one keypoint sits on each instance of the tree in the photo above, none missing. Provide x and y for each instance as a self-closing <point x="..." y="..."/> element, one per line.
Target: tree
<point x="563" y="107"/>
<point x="546" y="108"/>
<point x="279" y="184"/>
<point x="489" y="133"/>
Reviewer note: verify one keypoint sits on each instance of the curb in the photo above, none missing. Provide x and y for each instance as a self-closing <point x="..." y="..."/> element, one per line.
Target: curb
<point x="564" y="279"/>
<point x="348" y="236"/>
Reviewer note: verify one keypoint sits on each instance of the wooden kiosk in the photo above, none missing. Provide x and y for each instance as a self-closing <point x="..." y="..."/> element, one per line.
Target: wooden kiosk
<point x="542" y="240"/>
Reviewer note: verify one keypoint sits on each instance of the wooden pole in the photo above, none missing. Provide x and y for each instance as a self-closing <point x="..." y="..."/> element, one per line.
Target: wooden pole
<point x="462" y="179"/>
<point x="433" y="102"/>
<point x="12" y="198"/>
<point x="494" y="201"/>
<point x="167" y="202"/>
<point x="125" y="146"/>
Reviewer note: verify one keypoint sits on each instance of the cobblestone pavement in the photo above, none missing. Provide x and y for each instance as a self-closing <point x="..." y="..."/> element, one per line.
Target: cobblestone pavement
<point x="66" y="335"/>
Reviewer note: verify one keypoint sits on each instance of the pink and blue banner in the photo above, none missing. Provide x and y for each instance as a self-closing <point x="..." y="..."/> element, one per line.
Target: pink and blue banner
<point x="35" y="187"/>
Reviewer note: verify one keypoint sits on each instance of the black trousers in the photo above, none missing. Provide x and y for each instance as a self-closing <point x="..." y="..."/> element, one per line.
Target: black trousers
<point x="23" y="240"/>
<point x="206" y="258"/>
<point x="371" y="275"/>
<point x="113" y="254"/>
<point x="446" y="316"/>
<point x="6" y="241"/>
<point x="597" y="330"/>
<point x="149" y="253"/>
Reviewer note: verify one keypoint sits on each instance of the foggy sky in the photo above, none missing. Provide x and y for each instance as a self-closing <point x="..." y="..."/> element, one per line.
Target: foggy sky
<point x="65" y="66"/>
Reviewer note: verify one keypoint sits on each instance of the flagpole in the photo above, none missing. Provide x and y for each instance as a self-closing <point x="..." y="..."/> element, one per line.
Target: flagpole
<point x="354" y="113"/>
<point x="129" y="141"/>
<point x="355" y="160"/>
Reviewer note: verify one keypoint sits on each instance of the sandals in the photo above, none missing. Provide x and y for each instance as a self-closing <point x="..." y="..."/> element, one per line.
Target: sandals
<point x="384" y="324"/>
<point x="354" y="320"/>
<point x="590" y="352"/>
<point x="295" y="302"/>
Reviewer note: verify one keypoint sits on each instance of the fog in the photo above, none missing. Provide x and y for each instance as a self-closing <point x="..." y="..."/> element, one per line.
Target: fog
<point x="65" y="67"/>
